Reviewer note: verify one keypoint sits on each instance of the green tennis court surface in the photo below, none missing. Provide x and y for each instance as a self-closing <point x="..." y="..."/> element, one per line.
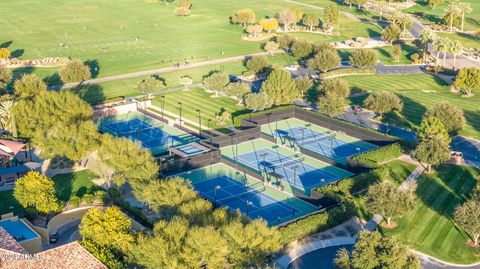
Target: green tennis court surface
<point x="230" y="188"/>
<point x="151" y="133"/>
<point x="283" y="166"/>
<point x="334" y="145"/>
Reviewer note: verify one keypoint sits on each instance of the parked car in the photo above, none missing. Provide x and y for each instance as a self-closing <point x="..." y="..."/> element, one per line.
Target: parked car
<point x="357" y="108"/>
<point x="53" y="238"/>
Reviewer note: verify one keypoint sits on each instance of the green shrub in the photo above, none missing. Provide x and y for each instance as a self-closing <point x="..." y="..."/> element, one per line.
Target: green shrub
<point x="31" y="213"/>
<point x="88" y="198"/>
<point x="75" y="201"/>
<point x="376" y="157"/>
<point x="315" y="223"/>
<point x="100" y="196"/>
<point x="348" y="71"/>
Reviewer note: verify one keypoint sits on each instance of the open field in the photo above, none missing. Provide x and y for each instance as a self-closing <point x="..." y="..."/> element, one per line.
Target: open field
<point x="467" y="41"/>
<point x="429" y="228"/>
<point x="419" y="92"/>
<point x="9" y="203"/>
<point x="132" y="35"/>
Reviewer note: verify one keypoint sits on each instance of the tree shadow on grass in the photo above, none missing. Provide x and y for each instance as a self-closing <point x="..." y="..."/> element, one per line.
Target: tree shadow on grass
<point x="63" y="186"/>
<point x="406" y="119"/>
<point x="448" y="187"/>
<point x="373" y="33"/>
<point x="473" y="119"/>
<point x="94" y="67"/>
<point x="53" y="80"/>
<point x="17" y="53"/>
<point x="6" y="44"/>
<point x="91" y="93"/>
<point x="384" y="52"/>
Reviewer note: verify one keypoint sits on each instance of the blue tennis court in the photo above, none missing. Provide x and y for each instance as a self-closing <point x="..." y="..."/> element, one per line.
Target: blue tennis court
<point x="298" y="173"/>
<point x="325" y="144"/>
<point x="151" y="136"/>
<point x="249" y="199"/>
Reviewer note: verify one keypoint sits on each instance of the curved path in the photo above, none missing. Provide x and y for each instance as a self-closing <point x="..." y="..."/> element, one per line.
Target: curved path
<point x="286" y="259"/>
<point x="163" y="70"/>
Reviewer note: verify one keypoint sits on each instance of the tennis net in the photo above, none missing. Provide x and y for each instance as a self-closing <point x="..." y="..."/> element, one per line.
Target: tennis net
<point x="286" y="163"/>
<point x="316" y="139"/>
<point x="139" y="130"/>
<point x="239" y="196"/>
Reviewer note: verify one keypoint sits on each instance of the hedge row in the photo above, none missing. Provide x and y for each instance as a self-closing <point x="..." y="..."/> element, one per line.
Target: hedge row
<point x="348" y="71"/>
<point x="315" y="223"/>
<point x="376" y="157"/>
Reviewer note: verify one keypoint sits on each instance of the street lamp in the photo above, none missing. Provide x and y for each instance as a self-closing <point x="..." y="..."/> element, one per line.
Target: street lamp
<point x="211" y="136"/>
<point x="199" y="123"/>
<point x="294" y="175"/>
<point x="180" y="109"/>
<point x="217" y="188"/>
<point x="249" y="204"/>
<point x="303" y="135"/>
<point x="163" y="106"/>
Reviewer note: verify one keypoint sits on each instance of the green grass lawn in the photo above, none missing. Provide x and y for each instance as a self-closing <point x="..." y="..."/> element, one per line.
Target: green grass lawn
<point x="209" y="106"/>
<point x="466" y="40"/>
<point x="429" y="227"/>
<point x="9" y="203"/>
<point x="78" y="183"/>
<point x="398" y="171"/>
<point x="132" y="35"/>
<point x="384" y="54"/>
<point x="98" y="93"/>
<point x="418" y="92"/>
<point x="472" y="20"/>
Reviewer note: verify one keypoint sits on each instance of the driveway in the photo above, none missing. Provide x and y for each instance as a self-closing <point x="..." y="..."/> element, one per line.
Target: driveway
<point x="67" y="234"/>
<point x="470" y="149"/>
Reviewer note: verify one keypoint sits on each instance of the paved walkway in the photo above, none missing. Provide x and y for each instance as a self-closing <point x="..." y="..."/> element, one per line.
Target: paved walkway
<point x="163" y="70"/>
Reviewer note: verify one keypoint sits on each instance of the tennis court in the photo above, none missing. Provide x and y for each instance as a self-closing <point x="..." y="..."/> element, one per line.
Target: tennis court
<point x="293" y="169"/>
<point x="227" y="187"/>
<point x="334" y="145"/>
<point x="152" y="134"/>
<point x="249" y="199"/>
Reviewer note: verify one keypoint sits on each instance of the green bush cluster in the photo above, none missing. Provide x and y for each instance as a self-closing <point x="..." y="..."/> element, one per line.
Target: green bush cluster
<point x="348" y="71"/>
<point x="315" y="223"/>
<point x="133" y="212"/>
<point x="374" y="158"/>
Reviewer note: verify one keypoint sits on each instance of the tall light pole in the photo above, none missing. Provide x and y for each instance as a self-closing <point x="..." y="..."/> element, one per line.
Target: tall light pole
<point x="180" y="109"/>
<point x="163" y="106"/>
<point x="199" y="123"/>
<point x="217" y="188"/>
<point x="294" y="175"/>
<point x="210" y="132"/>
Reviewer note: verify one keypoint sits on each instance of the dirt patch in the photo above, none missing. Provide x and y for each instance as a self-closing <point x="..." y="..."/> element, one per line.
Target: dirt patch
<point x="392" y="225"/>
<point x="472" y="244"/>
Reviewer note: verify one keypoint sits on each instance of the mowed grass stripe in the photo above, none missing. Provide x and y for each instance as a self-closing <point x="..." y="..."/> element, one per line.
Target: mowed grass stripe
<point x="429" y="227"/>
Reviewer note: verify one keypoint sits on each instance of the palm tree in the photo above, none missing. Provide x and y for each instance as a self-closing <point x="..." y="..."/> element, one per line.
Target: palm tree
<point x="455" y="48"/>
<point x="447" y="42"/>
<point x="451" y="11"/>
<point x="426" y="36"/>
<point x="465" y="8"/>
<point x="404" y="21"/>
<point x="438" y="45"/>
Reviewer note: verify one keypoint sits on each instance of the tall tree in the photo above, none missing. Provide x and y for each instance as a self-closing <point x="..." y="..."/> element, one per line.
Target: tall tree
<point x="385" y="199"/>
<point x="432" y="126"/>
<point x="326" y="58"/>
<point x="237" y="90"/>
<point x="383" y="102"/>
<point x="331" y="104"/>
<point x="440" y="45"/>
<point x="464" y="8"/>
<point x="257" y="65"/>
<point x="449" y="115"/>
<point x="433" y="151"/>
<point x="29" y="85"/>
<point x="258" y="101"/>
<point x="372" y="250"/>
<point x="75" y="71"/>
<point x="391" y="33"/>
<point x="107" y="227"/>
<point x="331" y="17"/>
<point x="205" y="246"/>
<point x="131" y="162"/>
<point x="244" y="17"/>
<point x="6" y="117"/>
<point x="446" y="48"/>
<point x="426" y="37"/>
<point x="269" y="24"/>
<point x="396" y="52"/>
<point x="467" y="79"/>
<point x="363" y="58"/>
<point x="280" y="87"/>
<point x="302" y="48"/>
<point x="216" y="81"/>
<point x="455" y="48"/>
<point x="467" y="217"/>
<point x="405" y="23"/>
<point x="287" y="17"/>
<point x="285" y="41"/>
<point x="311" y="20"/>
<point x="270" y="47"/>
<point x="303" y="84"/>
<point x="452" y="10"/>
<point x="37" y="191"/>
<point x="150" y="85"/>
<point x="5" y="78"/>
